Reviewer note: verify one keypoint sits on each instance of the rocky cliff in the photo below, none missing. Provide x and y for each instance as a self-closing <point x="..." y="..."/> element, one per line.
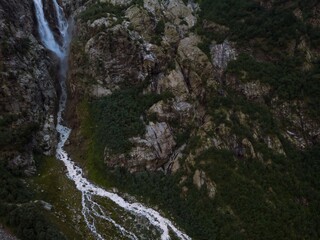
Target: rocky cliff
<point x="28" y="105"/>
<point x="28" y="89"/>
<point x="207" y="109"/>
<point x="154" y="43"/>
<point x="170" y="86"/>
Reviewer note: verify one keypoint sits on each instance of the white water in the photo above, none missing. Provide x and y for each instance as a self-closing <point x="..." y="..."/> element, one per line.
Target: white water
<point x="62" y="24"/>
<point x="91" y="210"/>
<point x="45" y="32"/>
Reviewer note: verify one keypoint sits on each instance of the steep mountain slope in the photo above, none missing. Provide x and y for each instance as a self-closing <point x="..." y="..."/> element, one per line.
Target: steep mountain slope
<point x="28" y="94"/>
<point x="207" y="110"/>
<point x="210" y="110"/>
<point x="28" y="100"/>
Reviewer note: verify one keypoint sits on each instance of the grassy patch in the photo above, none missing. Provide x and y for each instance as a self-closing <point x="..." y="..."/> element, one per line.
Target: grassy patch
<point x="53" y="186"/>
<point x="27" y="219"/>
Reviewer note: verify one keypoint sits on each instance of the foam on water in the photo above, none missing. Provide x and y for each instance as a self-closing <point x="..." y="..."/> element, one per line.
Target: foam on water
<point x="91" y="210"/>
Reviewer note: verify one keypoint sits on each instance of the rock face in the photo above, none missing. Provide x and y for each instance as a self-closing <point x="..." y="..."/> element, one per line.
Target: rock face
<point x="151" y="151"/>
<point x="151" y="45"/>
<point x="201" y="180"/>
<point x="28" y="88"/>
<point x="222" y="54"/>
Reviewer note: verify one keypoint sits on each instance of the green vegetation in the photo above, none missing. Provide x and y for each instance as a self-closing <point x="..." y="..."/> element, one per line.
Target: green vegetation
<point x="254" y="200"/>
<point x="122" y="111"/>
<point x="260" y="196"/>
<point x="285" y="77"/>
<point x="118" y="117"/>
<point x="23" y="45"/>
<point x="269" y="31"/>
<point x="99" y="10"/>
<point x="259" y="114"/>
<point x="158" y="32"/>
<point x="138" y="2"/>
<point x="248" y="20"/>
<point x="155" y="188"/>
<point x="273" y="198"/>
<point x="53" y="186"/>
<point x="18" y="211"/>
<point x="110" y="122"/>
<point x="194" y="213"/>
<point x="267" y="201"/>
<point x="159" y="29"/>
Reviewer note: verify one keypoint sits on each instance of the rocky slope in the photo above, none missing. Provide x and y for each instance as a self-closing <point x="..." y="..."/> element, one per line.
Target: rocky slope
<point x="154" y="87"/>
<point x="28" y="102"/>
<point x="28" y="89"/>
<point x="154" y="43"/>
<point x="207" y="109"/>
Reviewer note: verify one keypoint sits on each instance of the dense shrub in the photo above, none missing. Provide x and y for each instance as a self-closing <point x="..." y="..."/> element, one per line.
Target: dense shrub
<point x="18" y="211"/>
<point x="268" y="31"/>
<point x="99" y="10"/>
<point x="247" y="20"/>
<point x="286" y="78"/>
<point x="118" y="117"/>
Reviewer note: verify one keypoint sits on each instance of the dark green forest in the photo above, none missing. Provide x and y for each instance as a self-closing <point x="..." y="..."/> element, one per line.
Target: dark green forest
<point x="268" y="33"/>
<point x="254" y="200"/>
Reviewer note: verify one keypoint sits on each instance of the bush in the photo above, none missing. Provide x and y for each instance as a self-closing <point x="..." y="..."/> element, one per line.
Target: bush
<point x="99" y="10"/>
<point x="286" y="78"/>
<point x="117" y="117"/>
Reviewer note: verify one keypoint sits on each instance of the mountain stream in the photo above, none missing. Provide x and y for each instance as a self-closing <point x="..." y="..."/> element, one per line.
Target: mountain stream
<point x="92" y="211"/>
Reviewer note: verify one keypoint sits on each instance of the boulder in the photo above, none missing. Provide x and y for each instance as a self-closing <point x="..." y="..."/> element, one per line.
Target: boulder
<point x="200" y="179"/>
<point x="222" y="54"/>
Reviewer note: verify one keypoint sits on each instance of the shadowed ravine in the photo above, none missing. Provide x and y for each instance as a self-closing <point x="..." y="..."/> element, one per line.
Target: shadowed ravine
<point x="93" y="212"/>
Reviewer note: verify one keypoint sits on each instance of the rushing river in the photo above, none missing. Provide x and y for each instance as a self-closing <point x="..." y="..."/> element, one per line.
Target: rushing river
<point x="93" y="212"/>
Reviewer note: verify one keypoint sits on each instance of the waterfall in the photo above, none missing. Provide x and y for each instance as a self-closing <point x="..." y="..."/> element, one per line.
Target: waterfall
<point x="62" y="23"/>
<point x="91" y="210"/>
<point x="45" y="32"/>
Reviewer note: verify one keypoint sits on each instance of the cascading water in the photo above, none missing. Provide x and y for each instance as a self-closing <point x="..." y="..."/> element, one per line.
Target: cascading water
<point x="91" y="210"/>
<point x="45" y="32"/>
<point x="62" y="24"/>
